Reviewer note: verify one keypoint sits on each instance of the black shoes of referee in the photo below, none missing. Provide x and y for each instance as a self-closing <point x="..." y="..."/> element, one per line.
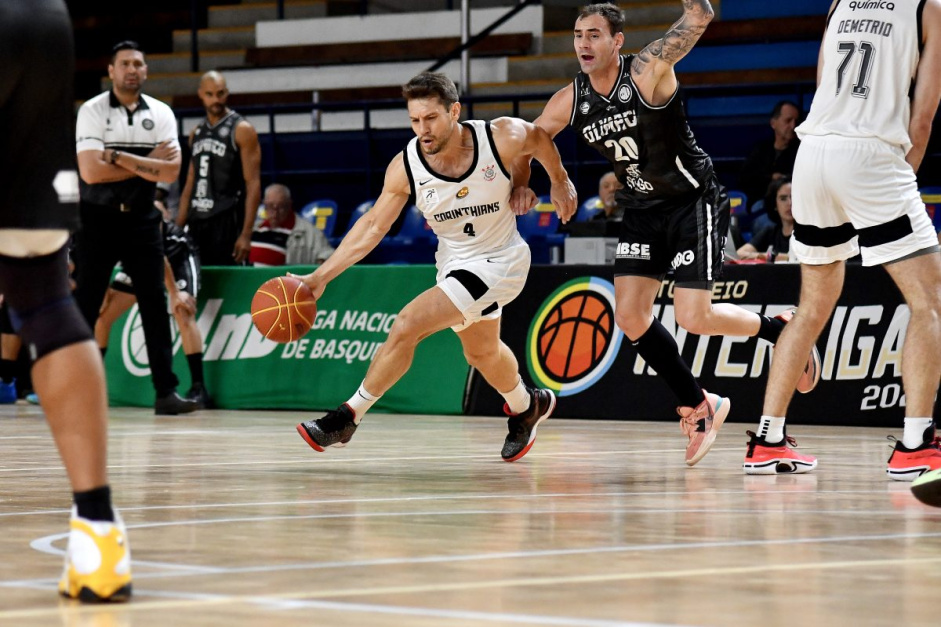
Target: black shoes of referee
<point x="173" y="404"/>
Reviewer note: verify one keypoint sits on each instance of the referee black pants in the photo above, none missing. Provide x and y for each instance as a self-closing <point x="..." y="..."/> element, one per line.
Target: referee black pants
<point x="106" y="237"/>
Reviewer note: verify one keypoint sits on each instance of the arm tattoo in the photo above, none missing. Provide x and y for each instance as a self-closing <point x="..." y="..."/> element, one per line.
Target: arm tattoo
<point x="148" y="170"/>
<point x="679" y="40"/>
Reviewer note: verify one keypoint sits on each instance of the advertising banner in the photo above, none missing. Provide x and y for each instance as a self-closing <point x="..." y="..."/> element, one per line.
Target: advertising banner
<point x="245" y="370"/>
<point x="562" y="329"/>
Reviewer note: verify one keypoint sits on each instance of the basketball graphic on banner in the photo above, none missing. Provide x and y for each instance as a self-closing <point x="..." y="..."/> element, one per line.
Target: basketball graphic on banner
<point x="574" y="335"/>
<point x="573" y="340"/>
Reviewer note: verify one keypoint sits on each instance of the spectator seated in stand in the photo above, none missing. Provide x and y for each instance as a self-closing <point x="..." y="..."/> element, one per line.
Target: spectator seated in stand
<point x="608" y="185"/>
<point x="773" y="242"/>
<point x="284" y="238"/>
<point x="774" y="157"/>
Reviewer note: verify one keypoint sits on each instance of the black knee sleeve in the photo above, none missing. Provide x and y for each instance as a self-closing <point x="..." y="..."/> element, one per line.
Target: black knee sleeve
<point x="42" y="309"/>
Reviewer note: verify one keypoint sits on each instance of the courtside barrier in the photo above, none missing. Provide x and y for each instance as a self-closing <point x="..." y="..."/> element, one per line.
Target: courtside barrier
<point x="562" y="330"/>
<point x="244" y="370"/>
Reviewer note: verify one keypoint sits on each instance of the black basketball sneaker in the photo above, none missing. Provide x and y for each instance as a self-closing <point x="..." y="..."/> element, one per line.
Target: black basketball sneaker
<point x="522" y="427"/>
<point x="334" y="429"/>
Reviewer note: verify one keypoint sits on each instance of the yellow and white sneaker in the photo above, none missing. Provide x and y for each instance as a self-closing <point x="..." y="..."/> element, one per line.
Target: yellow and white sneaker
<point x="97" y="561"/>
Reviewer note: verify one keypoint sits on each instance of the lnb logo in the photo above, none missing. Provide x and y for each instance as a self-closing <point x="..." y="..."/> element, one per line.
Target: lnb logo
<point x="573" y="340"/>
<point x="134" y="346"/>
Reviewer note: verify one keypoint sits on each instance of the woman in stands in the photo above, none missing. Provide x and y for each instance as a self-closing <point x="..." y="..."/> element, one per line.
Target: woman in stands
<point x="772" y="242"/>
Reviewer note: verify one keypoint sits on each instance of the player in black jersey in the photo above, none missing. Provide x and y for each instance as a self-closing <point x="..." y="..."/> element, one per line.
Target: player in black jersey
<point x="223" y="185"/>
<point x="182" y="279"/>
<point x="676" y="215"/>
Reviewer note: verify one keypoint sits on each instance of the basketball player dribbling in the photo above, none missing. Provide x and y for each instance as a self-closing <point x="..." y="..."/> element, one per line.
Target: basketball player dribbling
<point x="855" y="192"/>
<point x="37" y="210"/>
<point x="676" y="215"/>
<point x="457" y="174"/>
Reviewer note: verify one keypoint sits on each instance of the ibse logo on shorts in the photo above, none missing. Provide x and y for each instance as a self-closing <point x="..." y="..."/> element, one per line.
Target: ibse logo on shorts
<point x="683" y="259"/>
<point x="572" y="339"/>
<point x="627" y="250"/>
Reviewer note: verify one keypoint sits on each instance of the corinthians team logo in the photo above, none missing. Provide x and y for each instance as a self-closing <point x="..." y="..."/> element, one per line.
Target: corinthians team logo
<point x="573" y="340"/>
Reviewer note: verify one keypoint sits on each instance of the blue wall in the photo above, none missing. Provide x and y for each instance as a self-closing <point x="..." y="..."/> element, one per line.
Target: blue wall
<point x="752" y="9"/>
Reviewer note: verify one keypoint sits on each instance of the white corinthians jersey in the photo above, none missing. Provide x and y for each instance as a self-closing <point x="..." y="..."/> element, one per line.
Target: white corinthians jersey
<point x="470" y="214"/>
<point x="870" y="54"/>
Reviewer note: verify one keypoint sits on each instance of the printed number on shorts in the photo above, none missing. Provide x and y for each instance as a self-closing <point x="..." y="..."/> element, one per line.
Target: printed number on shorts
<point x="868" y="51"/>
<point x="469" y="229"/>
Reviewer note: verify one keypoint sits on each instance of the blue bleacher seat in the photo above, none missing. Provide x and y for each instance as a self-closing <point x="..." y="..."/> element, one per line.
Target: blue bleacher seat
<point x="323" y="215"/>
<point x="739" y="202"/>
<point x="414" y="243"/>
<point x="588" y="209"/>
<point x="540" y="228"/>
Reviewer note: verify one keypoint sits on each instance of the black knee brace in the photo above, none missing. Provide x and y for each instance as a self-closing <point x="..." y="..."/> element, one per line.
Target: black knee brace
<point x="42" y="309"/>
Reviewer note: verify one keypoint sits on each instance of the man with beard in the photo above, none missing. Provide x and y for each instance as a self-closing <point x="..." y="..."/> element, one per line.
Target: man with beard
<point x="127" y="143"/>
<point x="223" y="184"/>
<point x="457" y="175"/>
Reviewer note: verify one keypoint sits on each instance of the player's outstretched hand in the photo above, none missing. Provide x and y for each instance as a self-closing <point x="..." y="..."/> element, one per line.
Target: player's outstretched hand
<point x="522" y="200"/>
<point x="312" y="281"/>
<point x="564" y="199"/>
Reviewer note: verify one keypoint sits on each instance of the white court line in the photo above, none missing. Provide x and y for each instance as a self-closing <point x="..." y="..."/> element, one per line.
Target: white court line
<point x="45" y="545"/>
<point x="698" y="574"/>
<point x="453" y="497"/>
<point x="325" y="460"/>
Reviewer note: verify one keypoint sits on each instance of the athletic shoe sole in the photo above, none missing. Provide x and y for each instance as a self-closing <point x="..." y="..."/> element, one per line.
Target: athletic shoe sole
<point x="532" y="435"/>
<point x="907" y="474"/>
<point x="780" y="466"/>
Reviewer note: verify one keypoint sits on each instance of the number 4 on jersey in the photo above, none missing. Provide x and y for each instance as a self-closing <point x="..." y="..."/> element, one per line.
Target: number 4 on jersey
<point x="469" y="229"/>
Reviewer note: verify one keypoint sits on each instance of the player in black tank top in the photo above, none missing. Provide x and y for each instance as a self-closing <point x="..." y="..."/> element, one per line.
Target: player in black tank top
<point x="652" y="149"/>
<point x="223" y="185"/>
<point x="676" y="215"/>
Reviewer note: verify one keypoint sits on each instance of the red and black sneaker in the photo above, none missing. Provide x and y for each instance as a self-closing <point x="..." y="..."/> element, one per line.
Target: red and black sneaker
<point x="907" y="464"/>
<point x="522" y="427"/>
<point x="334" y="429"/>
<point x="775" y="458"/>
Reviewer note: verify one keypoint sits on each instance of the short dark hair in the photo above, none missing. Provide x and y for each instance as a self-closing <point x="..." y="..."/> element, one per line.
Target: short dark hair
<point x="431" y="84"/>
<point x="776" y="112"/>
<point x="127" y="44"/>
<point x="611" y="13"/>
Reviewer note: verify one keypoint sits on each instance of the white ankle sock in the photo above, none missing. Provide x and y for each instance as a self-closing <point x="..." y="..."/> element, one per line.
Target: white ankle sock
<point x="771" y="428"/>
<point x="518" y="399"/>
<point x="361" y="402"/>
<point x="914" y="434"/>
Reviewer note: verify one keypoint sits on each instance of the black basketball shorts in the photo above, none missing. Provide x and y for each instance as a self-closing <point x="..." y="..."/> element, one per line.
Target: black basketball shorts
<point x="688" y="238"/>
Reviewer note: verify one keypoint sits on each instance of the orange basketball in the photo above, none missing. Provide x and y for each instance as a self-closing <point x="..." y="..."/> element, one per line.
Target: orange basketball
<point x="283" y="309"/>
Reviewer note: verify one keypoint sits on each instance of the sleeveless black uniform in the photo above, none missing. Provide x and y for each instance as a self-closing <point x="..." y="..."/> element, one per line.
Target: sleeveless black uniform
<point x="675" y="212"/>
<point x="37" y="116"/>
<point x="217" y="207"/>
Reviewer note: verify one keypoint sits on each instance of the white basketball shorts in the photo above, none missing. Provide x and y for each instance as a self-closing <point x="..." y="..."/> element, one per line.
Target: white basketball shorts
<point x="853" y="195"/>
<point x="480" y="287"/>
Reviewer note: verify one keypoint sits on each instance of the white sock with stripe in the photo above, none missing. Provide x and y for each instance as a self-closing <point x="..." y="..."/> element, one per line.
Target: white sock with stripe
<point x="361" y="402"/>
<point x="914" y="434"/>
<point x="771" y="428"/>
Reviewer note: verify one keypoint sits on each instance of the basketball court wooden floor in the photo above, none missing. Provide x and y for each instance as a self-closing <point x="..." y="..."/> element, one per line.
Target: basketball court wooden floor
<point x="234" y="521"/>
